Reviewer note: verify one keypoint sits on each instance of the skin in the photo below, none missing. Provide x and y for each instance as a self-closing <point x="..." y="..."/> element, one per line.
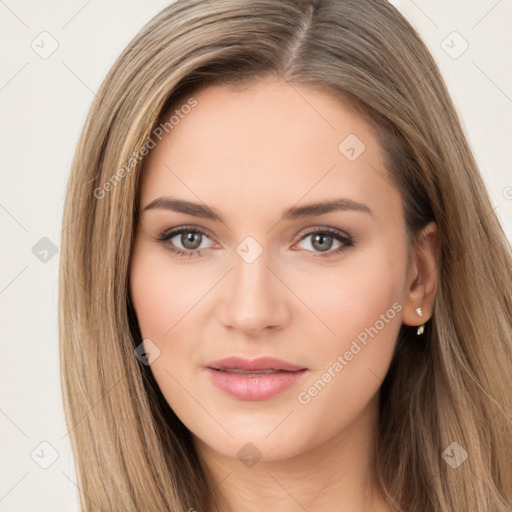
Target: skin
<point x="250" y="154"/>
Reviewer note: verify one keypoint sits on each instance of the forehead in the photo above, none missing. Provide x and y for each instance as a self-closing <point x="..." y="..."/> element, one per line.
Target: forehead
<point x="270" y="143"/>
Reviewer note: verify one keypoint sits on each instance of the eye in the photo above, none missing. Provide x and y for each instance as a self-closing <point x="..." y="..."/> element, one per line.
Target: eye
<point x="190" y="238"/>
<point x="323" y="239"/>
<point x="187" y="241"/>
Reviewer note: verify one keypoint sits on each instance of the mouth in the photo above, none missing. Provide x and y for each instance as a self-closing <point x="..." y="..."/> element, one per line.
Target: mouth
<point x="259" y="379"/>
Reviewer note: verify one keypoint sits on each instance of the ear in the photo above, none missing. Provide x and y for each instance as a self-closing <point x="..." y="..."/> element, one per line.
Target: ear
<point x="422" y="277"/>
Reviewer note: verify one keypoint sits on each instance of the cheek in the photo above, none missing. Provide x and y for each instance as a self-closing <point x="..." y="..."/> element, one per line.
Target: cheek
<point x="356" y="295"/>
<point x="167" y="298"/>
<point x="363" y="307"/>
<point x="152" y="299"/>
<point x="361" y="303"/>
<point x="161" y="296"/>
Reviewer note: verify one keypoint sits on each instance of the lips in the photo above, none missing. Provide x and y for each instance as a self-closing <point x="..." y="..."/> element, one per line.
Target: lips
<point x="256" y="379"/>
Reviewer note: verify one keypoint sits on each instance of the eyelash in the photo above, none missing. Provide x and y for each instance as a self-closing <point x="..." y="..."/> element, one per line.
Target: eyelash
<point x="166" y="235"/>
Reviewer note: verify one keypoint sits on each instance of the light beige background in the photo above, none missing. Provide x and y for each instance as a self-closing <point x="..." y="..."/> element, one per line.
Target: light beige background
<point x="43" y="103"/>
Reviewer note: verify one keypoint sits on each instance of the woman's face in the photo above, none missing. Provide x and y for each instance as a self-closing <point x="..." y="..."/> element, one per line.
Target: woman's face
<point x="264" y="273"/>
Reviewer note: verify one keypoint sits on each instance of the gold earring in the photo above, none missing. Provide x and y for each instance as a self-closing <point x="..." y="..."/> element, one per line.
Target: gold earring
<point x="421" y="328"/>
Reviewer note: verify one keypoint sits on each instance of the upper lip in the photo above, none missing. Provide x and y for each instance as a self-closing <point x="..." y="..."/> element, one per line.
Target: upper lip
<point x="261" y="363"/>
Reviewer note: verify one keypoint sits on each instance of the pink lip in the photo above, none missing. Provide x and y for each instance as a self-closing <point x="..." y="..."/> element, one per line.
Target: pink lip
<point x="253" y="386"/>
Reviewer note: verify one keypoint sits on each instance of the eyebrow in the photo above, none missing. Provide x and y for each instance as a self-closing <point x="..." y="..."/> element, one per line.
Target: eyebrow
<point x="293" y="213"/>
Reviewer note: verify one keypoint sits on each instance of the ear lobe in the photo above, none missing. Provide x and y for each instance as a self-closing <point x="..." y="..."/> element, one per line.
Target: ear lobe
<point x="423" y="277"/>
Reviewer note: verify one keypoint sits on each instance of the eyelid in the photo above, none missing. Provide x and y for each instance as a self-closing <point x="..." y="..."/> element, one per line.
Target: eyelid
<point x="323" y="229"/>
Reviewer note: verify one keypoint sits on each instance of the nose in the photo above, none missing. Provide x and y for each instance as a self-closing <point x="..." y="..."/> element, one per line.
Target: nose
<point x="255" y="298"/>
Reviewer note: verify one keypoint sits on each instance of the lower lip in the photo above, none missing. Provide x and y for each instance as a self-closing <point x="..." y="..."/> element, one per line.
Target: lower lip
<point x="254" y="387"/>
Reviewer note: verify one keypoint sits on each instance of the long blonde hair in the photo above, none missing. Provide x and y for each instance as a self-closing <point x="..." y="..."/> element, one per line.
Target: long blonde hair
<point x="131" y="451"/>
